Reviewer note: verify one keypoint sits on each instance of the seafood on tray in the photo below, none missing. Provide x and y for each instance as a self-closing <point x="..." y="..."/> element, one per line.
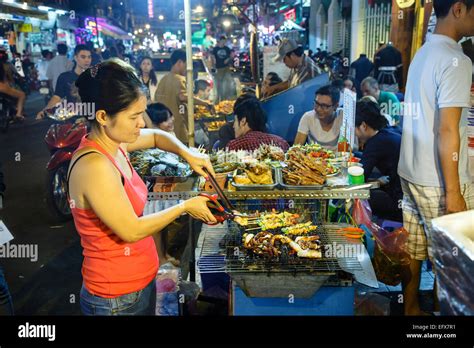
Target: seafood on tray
<point x="270" y="152"/>
<point x="155" y="162"/>
<point x="271" y="245"/>
<point x="255" y="174"/>
<point x="303" y="169"/>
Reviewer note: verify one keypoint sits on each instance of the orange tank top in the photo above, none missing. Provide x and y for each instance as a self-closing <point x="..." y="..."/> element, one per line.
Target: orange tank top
<point x="112" y="267"/>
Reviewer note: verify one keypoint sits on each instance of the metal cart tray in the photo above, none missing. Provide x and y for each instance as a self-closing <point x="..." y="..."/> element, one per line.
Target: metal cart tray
<point x="276" y="183"/>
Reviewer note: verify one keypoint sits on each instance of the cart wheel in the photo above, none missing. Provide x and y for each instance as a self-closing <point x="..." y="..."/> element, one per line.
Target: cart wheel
<point x="56" y="196"/>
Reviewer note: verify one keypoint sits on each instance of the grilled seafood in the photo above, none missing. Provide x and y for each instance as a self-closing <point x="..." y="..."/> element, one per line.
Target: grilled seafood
<point x="310" y="242"/>
<point x="304" y="169"/>
<point x="271" y="152"/>
<point x="265" y="243"/>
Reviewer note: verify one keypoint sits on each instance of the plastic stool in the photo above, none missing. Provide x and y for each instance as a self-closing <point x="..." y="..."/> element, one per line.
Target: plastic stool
<point x="387" y="71"/>
<point x="391" y="225"/>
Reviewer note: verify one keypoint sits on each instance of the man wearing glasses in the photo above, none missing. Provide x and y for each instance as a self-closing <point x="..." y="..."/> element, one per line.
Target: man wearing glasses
<point x="323" y="124"/>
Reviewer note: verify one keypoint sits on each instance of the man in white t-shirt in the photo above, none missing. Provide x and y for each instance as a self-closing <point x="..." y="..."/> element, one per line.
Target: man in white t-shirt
<point x="323" y="124"/>
<point x="433" y="161"/>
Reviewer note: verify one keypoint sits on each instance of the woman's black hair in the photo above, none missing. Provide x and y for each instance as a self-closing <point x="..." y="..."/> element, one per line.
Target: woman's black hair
<point x="153" y="79"/>
<point x="252" y="110"/>
<point x="111" y="86"/>
<point x="158" y="113"/>
<point x="274" y="78"/>
<point x="369" y="112"/>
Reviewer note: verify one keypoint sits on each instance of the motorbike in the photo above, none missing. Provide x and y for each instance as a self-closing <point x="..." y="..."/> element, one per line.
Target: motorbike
<point x="7" y="112"/>
<point x="62" y="139"/>
<point x="45" y="90"/>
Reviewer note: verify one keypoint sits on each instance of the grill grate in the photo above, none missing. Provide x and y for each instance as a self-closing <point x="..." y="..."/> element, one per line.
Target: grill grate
<point x="221" y="248"/>
<point x="239" y="261"/>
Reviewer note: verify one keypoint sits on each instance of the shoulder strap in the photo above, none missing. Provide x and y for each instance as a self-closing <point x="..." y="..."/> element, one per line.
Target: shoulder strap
<point x="72" y="166"/>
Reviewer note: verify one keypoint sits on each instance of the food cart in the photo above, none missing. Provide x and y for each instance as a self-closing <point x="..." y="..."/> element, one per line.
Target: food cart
<point x="282" y="286"/>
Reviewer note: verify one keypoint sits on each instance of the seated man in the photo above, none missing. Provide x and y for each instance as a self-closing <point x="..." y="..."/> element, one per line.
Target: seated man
<point x="323" y="124"/>
<point x="250" y="128"/>
<point x="382" y="151"/>
<point x="388" y="102"/>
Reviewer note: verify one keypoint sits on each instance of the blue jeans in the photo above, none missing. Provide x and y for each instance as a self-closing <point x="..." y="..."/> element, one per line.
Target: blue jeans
<point x="6" y="304"/>
<point x="142" y="302"/>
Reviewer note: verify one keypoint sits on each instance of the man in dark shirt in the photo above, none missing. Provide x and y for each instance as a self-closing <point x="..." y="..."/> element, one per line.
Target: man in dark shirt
<point x="389" y="56"/>
<point x="361" y="68"/>
<point x="381" y="151"/>
<point x="222" y="59"/>
<point x="65" y="87"/>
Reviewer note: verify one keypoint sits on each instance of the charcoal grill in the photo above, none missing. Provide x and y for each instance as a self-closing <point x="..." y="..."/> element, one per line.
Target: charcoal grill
<point x="222" y="251"/>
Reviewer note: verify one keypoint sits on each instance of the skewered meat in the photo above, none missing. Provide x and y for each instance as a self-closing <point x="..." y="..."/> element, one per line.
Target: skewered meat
<point x="299" y="229"/>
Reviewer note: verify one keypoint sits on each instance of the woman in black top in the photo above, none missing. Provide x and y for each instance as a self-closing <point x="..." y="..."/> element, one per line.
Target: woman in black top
<point x="381" y="152"/>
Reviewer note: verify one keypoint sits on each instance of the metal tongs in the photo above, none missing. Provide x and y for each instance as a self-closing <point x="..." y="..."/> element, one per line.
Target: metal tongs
<point x="221" y="212"/>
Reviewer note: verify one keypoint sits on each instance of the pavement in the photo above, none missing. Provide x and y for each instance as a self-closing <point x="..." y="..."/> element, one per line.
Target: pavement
<point x="51" y="284"/>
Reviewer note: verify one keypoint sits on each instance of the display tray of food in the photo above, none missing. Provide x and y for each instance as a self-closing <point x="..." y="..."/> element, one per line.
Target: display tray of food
<point x="202" y="113"/>
<point x="225" y="107"/>
<point x="255" y="176"/>
<point x="307" y="167"/>
<point x="214" y="126"/>
<point x="159" y="166"/>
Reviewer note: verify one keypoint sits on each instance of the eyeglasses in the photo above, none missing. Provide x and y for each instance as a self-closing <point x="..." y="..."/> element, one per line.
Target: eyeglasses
<point x="322" y="106"/>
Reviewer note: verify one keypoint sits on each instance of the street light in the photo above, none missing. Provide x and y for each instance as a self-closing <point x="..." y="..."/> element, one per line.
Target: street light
<point x="147" y="26"/>
<point x="140" y="30"/>
<point x="135" y="32"/>
<point x="161" y="17"/>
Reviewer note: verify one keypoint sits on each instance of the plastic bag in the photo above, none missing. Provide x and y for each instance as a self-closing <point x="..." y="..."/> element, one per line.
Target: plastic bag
<point x="390" y="254"/>
<point x="371" y="303"/>
<point x="167" y="290"/>
<point x="361" y="212"/>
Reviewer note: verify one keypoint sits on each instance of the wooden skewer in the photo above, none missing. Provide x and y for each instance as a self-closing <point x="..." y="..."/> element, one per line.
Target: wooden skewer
<point x="253" y="229"/>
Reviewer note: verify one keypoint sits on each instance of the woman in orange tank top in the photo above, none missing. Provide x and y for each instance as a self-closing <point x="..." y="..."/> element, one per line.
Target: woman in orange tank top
<point x="107" y="196"/>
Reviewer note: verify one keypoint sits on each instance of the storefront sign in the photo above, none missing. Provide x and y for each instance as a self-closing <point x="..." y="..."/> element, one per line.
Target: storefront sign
<point x="405" y="3"/>
<point x="25" y="28"/>
<point x="150" y="9"/>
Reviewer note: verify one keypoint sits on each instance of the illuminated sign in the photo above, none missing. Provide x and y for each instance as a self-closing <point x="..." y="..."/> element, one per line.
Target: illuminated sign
<point x="150" y="9"/>
<point x="290" y="15"/>
<point x="405" y="3"/>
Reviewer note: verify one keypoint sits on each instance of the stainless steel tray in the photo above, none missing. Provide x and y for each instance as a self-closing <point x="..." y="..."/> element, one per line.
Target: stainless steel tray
<point x="276" y="182"/>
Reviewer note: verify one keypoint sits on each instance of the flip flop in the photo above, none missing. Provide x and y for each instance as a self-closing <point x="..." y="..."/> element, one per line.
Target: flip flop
<point x="19" y="119"/>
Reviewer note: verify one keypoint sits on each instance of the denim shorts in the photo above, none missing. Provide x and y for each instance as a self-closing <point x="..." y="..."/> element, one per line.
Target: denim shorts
<point x="141" y="302"/>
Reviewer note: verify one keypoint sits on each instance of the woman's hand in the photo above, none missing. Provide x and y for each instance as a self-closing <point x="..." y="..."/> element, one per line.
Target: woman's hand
<point x="198" y="162"/>
<point x="197" y="208"/>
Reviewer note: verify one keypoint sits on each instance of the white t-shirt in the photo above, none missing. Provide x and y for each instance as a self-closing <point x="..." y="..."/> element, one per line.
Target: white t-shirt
<point x="440" y="76"/>
<point x="311" y="126"/>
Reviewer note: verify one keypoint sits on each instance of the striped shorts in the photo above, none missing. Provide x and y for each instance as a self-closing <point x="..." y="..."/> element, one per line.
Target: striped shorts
<point x="421" y="204"/>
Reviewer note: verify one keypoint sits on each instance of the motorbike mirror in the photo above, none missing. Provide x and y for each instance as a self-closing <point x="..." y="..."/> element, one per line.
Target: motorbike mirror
<point x="59" y="113"/>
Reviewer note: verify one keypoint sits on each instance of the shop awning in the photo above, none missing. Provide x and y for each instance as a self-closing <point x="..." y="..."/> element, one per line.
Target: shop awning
<point x="22" y="10"/>
<point x="108" y="28"/>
